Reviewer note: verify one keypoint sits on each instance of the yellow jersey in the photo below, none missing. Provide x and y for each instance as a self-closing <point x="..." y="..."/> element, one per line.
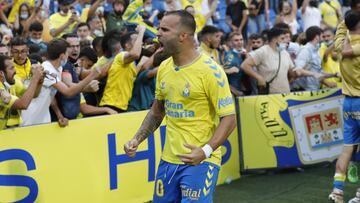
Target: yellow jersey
<point x="56" y="20"/>
<point x="120" y="83"/>
<point x="213" y="53"/>
<point x="328" y="12"/>
<point x="194" y="96"/>
<point x="330" y="66"/>
<point x="15" y="8"/>
<point x="349" y="67"/>
<point x="18" y="89"/>
<point x="23" y="71"/>
<point x="6" y="102"/>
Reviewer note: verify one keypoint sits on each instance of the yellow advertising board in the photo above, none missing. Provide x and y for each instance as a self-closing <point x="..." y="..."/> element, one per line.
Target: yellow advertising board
<point x="290" y="130"/>
<point x="85" y="161"/>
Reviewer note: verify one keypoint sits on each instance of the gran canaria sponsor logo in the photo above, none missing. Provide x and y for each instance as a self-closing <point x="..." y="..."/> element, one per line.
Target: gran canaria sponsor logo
<point x="176" y="110"/>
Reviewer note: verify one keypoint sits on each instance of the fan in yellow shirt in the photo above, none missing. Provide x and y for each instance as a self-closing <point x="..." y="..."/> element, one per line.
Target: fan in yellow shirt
<point x="195" y="10"/>
<point x="20" y="51"/>
<point x="13" y="96"/>
<point x="122" y="73"/>
<point x="330" y="12"/>
<point x="63" y="21"/>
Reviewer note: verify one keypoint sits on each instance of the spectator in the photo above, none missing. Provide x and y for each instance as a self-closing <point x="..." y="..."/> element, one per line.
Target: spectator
<point x="331" y="13"/>
<point x="96" y="26"/>
<point x="35" y="37"/>
<point x="113" y="19"/>
<point x="273" y="65"/>
<point x="309" y="59"/>
<point x="287" y="15"/>
<point x="311" y="14"/>
<point x="63" y="21"/>
<point x="38" y="111"/>
<point x="13" y="95"/>
<point x="201" y="18"/>
<point x="96" y="44"/>
<point x="329" y="57"/>
<point x="87" y="58"/>
<point x="237" y="15"/>
<point x="144" y="86"/>
<point x="4" y="50"/>
<point x="259" y="18"/>
<point x="172" y="5"/>
<point x="255" y="41"/>
<point x="123" y="72"/>
<point x="20" y="51"/>
<point x="210" y="38"/>
<point x="70" y="105"/>
<point x="233" y="59"/>
<point x="83" y="31"/>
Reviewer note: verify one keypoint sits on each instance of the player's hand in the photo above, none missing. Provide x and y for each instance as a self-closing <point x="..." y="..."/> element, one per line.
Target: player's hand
<point x="63" y="122"/>
<point x="131" y="147"/>
<point x="196" y="156"/>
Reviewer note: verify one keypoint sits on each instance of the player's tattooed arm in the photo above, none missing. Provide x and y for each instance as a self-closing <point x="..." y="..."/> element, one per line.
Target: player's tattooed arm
<point x="152" y="121"/>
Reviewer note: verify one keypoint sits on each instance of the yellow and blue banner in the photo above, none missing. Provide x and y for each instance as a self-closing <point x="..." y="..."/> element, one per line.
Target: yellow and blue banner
<point x="290" y="130"/>
<point x="85" y="161"/>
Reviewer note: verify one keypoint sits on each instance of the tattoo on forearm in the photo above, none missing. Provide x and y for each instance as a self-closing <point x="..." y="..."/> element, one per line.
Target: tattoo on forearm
<point x="149" y="125"/>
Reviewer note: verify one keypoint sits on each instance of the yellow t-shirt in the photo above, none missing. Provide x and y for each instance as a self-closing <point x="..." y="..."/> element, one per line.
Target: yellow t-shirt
<point x="213" y="53"/>
<point x="15" y="9"/>
<point x="194" y="96"/>
<point x="120" y="83"/>
<point x="6" y="102"/>
<point x="84" y="15"/>
<point x="23" y="71"/>
<point x="100" y="62"/>
<point x="330" y="66"/>
<point x="329" y="14"/>
<point x="56" y="20"/>
<point x="46" y="36"/>
<point x="18" y="89"/>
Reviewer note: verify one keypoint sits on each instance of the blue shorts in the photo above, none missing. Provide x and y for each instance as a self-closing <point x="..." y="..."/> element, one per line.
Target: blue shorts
<point x="185" y="183"/>
<point x="351" y="111"/>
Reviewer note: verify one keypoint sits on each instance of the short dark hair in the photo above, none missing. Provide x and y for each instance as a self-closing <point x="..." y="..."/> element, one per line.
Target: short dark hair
<point x="352" y="19"/>
<point x="97" y="41"/>
<point x="17" y="41"/>
<point x="284" y="26"/>
<point x="56" y="47"/>
<point x="208" y="29"/>
<point x="312" y="32"/>
<point x="353" y="3"/>
<point x="186" y="20"/>
<point x="274" y="32"/>
<point x="255" y="36"/>
<point x="3" y="58"/>
<point x="69" y="35"/>
<point x="82" y="25"/>
<point x="126" y="38"/>
<point x="36" y="26"/>
<point x="110" y="39"/>
<point x="88" y="53"/>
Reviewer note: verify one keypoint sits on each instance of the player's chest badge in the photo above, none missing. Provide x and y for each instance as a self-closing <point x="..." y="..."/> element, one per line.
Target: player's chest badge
<point x="186" y="91"/>
<point x="162" y="85"/>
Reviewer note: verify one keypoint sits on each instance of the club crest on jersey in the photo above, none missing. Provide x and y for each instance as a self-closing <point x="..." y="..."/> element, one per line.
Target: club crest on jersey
<point x="162" y="85"/>
<point x="186" y="91"/>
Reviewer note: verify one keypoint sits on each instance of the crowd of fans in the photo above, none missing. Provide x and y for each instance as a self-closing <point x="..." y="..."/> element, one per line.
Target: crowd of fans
<point x="66" y="59"/>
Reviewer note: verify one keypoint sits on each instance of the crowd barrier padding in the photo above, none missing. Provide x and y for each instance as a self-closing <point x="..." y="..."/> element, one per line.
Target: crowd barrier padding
<point x="85" y="161"/>
<point x="290" y="130"/>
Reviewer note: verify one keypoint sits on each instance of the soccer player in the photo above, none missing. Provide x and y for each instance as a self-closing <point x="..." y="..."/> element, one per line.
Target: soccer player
<point x="349" y="68"/>
<point x="192" y="92"/>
